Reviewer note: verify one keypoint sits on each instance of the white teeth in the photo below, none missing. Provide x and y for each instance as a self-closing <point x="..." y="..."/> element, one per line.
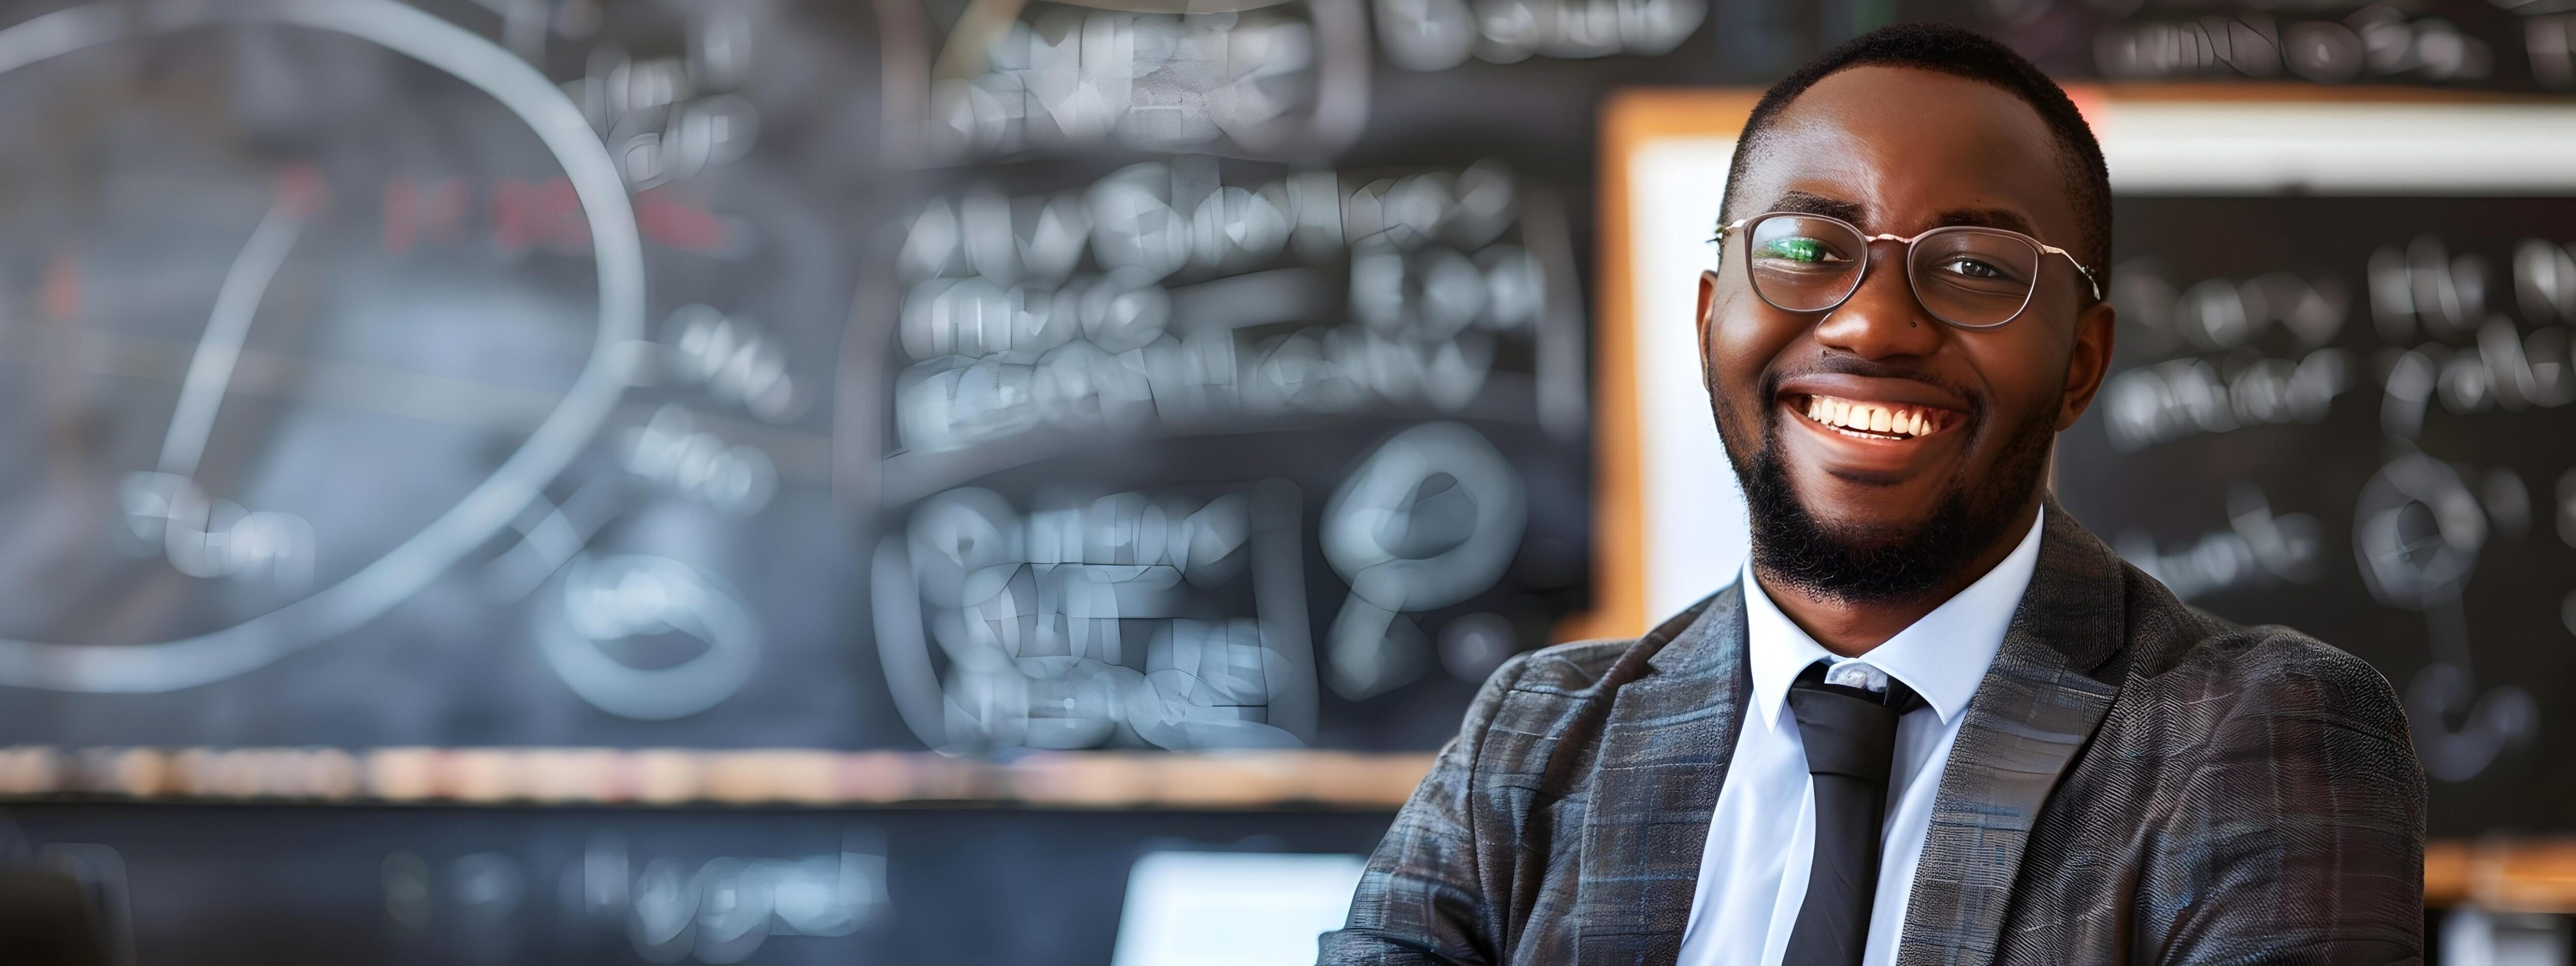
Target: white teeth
<point x="1871" y="418"/>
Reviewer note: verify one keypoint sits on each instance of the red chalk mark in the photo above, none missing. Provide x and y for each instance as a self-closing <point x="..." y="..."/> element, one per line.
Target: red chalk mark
<point x="414" y="215"/>
<point x="509" y="216"/>
<point x="400" y="229"/>
<point x="667" y="221"/>
<point x="526" y="215"/>
<point x="301" y="192"/>
<point x="60" y="297"/>
<point x="443" y="211"/>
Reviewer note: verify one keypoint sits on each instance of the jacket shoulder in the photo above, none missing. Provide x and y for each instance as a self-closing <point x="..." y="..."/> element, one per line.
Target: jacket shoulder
<point x="2254" y="763"/>
<point x="1597" y="668"/>
<point x="1576" y="669"/>
<point x="2185" y="654"/>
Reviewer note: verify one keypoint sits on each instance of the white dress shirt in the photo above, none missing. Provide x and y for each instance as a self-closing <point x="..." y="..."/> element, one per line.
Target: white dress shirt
<point x="1753" y="873"/>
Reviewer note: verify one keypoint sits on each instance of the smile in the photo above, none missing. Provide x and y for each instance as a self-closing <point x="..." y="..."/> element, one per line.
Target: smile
<point x="1868" y="419"/>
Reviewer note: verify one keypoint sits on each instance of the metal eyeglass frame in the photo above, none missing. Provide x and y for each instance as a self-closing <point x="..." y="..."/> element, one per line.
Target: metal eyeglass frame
<point x="1866" y="259"/>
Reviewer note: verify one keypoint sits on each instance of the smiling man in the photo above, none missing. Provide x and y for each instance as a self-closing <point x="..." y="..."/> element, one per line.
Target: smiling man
<point x="1935" y="720"/>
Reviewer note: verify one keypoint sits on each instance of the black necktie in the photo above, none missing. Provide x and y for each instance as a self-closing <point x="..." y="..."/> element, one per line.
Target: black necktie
<point x="1850" y="734"/>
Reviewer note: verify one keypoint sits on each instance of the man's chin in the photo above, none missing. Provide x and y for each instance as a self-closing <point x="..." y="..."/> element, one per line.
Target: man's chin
<point x="1866" y="511"/>
<point x="1861" y="537"/>
<point x="1852" y="541"/>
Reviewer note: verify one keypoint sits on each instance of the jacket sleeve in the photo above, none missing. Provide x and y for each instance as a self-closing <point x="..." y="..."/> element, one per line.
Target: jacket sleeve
<point x="1422" y="900"/>
<point x="2299" y="836"/>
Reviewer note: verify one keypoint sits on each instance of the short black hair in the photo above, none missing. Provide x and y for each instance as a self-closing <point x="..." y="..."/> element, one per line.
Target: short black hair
<point x="1960" y="53"/>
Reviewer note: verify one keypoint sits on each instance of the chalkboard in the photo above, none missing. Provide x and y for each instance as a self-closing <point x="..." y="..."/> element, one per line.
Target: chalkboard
<point x="970" y="375"/>
<point x="2350" y="415"/>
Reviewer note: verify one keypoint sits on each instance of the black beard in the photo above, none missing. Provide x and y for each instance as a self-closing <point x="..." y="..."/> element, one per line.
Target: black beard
<point x="1794" y="548"/>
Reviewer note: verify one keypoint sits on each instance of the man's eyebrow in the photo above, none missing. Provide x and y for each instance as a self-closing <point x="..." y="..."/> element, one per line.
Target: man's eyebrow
<point x="1806" y="203"/>
<point x="1800" y="202"/>
<point x="2004" y="218"/>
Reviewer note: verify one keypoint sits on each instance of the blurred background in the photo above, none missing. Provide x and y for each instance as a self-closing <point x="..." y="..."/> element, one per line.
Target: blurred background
<point x="1016" y="481"/>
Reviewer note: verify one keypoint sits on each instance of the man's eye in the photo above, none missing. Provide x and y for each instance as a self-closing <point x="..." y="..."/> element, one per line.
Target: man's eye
<point x="1797" y="249"/>
<point x="1972" y="268"/>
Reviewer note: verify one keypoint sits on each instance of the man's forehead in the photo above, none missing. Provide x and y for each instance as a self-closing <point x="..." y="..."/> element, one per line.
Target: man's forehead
<point x="1905" y="149"/>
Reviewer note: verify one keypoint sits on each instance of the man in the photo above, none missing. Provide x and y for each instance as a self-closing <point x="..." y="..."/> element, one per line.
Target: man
<point x="1935" y="721"/>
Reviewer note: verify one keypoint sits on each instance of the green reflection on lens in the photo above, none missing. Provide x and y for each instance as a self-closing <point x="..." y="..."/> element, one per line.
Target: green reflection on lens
<point x="1795" y="249"/>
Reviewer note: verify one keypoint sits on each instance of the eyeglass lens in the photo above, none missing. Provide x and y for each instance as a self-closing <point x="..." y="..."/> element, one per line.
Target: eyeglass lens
<point x="1966" y="276"/>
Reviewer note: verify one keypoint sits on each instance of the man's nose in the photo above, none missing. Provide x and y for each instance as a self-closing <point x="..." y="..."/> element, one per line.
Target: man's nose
<point x="1882" y="319"/>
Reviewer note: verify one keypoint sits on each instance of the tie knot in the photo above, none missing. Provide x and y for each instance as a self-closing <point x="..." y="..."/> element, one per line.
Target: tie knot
<point x="1849" y="730"/>
<point x="1862" y="679"/>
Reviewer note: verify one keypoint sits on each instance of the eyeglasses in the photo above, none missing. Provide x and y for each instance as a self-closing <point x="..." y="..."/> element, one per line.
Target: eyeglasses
<point x="1970" y="277"/>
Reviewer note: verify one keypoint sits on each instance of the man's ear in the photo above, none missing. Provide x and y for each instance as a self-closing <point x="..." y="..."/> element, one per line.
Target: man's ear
<point x="2095" y="331"/>
<point x="1699" y="324"/>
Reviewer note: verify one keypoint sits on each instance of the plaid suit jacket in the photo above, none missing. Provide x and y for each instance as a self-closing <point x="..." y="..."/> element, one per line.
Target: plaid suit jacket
<point x="2135" y="782"/>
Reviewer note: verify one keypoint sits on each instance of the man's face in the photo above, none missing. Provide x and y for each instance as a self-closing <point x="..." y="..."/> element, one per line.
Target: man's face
<point x="1884" y="515"/>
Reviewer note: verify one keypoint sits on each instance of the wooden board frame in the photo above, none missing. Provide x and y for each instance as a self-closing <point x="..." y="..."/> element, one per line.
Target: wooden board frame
<point x="1630" y="120"/>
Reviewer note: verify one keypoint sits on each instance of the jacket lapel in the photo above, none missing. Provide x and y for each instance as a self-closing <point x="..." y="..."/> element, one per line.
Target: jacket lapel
<point x="1664" y="752"/>
<point x="2035" y="709"/>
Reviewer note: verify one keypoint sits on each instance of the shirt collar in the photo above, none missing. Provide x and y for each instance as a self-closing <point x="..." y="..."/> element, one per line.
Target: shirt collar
<point x="1942" y="657"/>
